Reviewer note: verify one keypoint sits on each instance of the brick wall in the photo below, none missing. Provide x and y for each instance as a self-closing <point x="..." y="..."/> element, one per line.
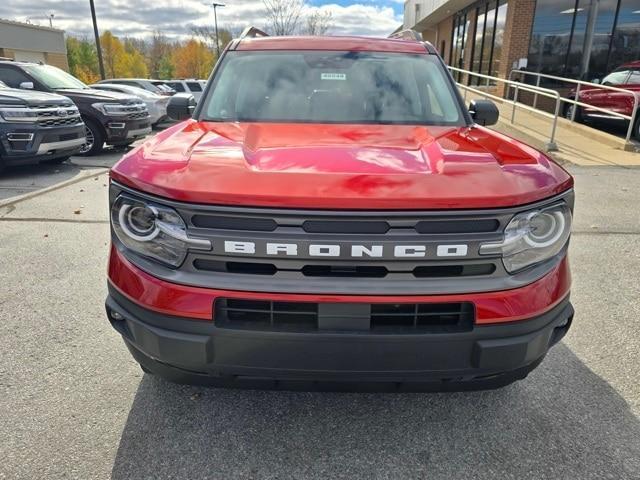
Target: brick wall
<point x="517" y="34"/>
<point x="445" y="28"/>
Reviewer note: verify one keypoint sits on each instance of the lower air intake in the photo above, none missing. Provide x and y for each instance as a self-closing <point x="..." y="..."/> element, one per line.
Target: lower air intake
<point x="308" y="317"/>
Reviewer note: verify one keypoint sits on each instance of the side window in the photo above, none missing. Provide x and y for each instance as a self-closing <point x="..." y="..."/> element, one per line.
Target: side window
<point x="634" y="79"/>
<point x="12" y="77"/>
<point x="177" y="86"/>
<point x="194" y="86"/>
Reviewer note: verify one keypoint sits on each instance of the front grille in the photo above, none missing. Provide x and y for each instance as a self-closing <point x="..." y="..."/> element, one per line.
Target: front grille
<point x="308" y="317"/>
<point x="59" y="122"/>
<point x="354" y="251"/>
<point x="342" y="252"/>
<point x="136" y="115"/>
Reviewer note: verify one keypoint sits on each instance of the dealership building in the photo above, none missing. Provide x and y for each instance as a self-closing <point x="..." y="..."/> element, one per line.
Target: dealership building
<point x="582" y="39"/>
<point x="33" y="43"/>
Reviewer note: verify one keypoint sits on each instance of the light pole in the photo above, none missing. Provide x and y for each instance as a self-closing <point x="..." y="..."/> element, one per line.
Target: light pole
<point x="50" y="17"/>
<point x="215" y="23"/>
<point x="97" y="35"/>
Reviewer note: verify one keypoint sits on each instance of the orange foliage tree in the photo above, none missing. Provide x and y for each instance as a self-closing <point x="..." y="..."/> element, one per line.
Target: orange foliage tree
<point x="193" y="60"/>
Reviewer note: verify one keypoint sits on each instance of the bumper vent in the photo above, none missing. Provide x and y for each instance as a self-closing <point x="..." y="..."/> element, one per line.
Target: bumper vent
<point x="307" y="317"/>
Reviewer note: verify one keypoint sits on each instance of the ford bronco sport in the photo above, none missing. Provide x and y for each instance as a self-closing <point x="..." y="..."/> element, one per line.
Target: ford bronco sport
<point x="331" y="214"/>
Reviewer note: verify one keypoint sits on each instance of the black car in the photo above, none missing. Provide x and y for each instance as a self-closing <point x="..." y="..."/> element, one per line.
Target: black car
<point x="38" y="127"/>
<point x="110" y="117"/>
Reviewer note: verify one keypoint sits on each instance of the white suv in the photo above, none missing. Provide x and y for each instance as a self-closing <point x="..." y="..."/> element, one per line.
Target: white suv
<point x="191" y="85"/>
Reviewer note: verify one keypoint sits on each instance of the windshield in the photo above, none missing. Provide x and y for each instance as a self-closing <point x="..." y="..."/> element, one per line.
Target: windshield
<point x="332" y="87"/>
<point x="53" y="77"/>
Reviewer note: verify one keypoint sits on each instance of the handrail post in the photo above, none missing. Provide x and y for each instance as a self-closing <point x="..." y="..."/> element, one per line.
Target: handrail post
<point x="632" y="123"/>
<point x="552" y="146"/>
<point x="515" y="100"/>
<point x="486" y="89"/>
<point x="575" y="105"/>
<point x="535" y="97"/>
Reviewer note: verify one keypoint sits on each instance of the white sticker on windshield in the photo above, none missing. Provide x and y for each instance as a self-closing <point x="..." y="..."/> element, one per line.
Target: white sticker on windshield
<point x="333" y="76"/>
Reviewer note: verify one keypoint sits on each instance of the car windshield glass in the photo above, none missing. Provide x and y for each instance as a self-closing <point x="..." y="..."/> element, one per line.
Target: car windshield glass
<point x="332" y="87"/>
<point x="53" y="77"/>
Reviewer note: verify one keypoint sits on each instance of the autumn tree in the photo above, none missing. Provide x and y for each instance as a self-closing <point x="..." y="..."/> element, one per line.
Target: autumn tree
<point x="193" y="60"/>
<point x="159" y="52"/>
<point x="112" y="53"/>
<point x="283" y="16"/>
<point x="83" y="59"/>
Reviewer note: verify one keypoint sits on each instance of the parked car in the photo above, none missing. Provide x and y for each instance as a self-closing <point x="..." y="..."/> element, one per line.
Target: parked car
<point x="318" y="218"/>
<point x="192" y="86"/>
<point x="37" y="127"/>
<point x="626" y="76"/>
<point x="158" y="87"/>
<point x="109" y="117"/>
<point x="156" y="104"/>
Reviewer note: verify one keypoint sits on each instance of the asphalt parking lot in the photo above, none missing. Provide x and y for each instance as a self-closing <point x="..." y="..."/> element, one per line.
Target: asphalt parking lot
<point x="75" y="405"/>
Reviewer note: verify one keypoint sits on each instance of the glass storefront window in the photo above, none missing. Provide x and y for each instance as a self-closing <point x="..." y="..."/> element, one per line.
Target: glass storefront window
<point x="550" y="38"/>
<point x="488" y="38"/>
<point x="625" y="44"/>
<point x="561" y="43"/>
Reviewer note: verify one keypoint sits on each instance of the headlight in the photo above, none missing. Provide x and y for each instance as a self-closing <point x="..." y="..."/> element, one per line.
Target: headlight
<point x="119" y="108"/>
<point x="153" y="231"/>
<point x="18" y="114"/>
<point x="532" y="237"/>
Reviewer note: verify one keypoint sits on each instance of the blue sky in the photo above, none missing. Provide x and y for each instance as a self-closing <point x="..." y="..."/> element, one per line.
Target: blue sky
<point x="175" y="17"/>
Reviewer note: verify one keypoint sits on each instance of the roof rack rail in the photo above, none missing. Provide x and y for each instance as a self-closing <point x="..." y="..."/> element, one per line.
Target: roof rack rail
<point x="7" y="59"/>
<point x="252" y="32"/>
<point x="406" y="34"/>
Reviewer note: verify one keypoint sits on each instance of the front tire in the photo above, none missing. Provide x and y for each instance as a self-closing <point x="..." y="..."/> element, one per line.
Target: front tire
<point x="568" y="111"/>
<point x="95" y="138"/>
<point x="636" y="128"/>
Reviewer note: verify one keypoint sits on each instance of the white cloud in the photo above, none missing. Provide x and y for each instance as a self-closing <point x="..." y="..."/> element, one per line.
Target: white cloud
<point x="173" y="17"/>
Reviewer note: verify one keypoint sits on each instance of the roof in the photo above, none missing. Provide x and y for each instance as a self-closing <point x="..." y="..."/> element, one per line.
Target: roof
<point x="30" y="25"/>
<point x="365" y="44"/>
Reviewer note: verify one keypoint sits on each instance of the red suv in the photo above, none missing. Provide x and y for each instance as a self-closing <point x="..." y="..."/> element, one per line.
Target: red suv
<point x="628" y="77"/>
<point x="332" y="214"/>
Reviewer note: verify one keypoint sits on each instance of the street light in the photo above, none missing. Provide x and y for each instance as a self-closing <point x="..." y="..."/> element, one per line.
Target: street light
<point x="215" y="23"/>
<point x="97" y="35"/>
<point x="50" y="17"/>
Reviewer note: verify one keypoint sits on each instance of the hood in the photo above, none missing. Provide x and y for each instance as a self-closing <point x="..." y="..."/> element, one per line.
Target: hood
<point x="13" y="96"/>
<point x="340" y="167"/>
<point x="96" y="95"/>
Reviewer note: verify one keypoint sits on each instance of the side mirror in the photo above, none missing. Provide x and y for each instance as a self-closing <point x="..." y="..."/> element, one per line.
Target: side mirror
<point x="484" y="112"/>
<point x="26" y="85"/>
<point x="595" y="80"/>
<point x="181" y="106"/>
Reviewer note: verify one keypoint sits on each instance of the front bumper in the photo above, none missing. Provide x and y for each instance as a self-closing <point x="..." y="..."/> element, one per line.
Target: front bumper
<point x="122" y="132"/>
<point x="193" y="351"/>
<point x="32" y="144"/>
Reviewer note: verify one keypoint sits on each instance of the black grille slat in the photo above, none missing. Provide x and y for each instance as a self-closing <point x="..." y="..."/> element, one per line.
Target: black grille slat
<point x="457" y="226"/>
<point x="345" y="227"/>
<point x="234" y="223"/>
<point x="387" y="318"/>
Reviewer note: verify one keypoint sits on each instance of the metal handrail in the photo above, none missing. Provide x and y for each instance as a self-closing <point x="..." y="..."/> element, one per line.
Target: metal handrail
<point x="576" y="102"/>
<point x="518" y="86"/>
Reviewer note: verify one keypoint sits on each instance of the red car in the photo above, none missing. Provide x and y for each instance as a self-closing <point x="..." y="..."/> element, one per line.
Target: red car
<point x="628" y="77"/>
<point x="332" y="216"/>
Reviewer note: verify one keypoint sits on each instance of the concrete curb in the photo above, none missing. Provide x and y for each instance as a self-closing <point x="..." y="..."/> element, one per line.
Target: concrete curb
<point x="83" y="175"/>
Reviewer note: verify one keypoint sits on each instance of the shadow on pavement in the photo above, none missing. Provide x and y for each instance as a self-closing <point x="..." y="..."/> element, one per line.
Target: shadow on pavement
<point x="562" y="422"/>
